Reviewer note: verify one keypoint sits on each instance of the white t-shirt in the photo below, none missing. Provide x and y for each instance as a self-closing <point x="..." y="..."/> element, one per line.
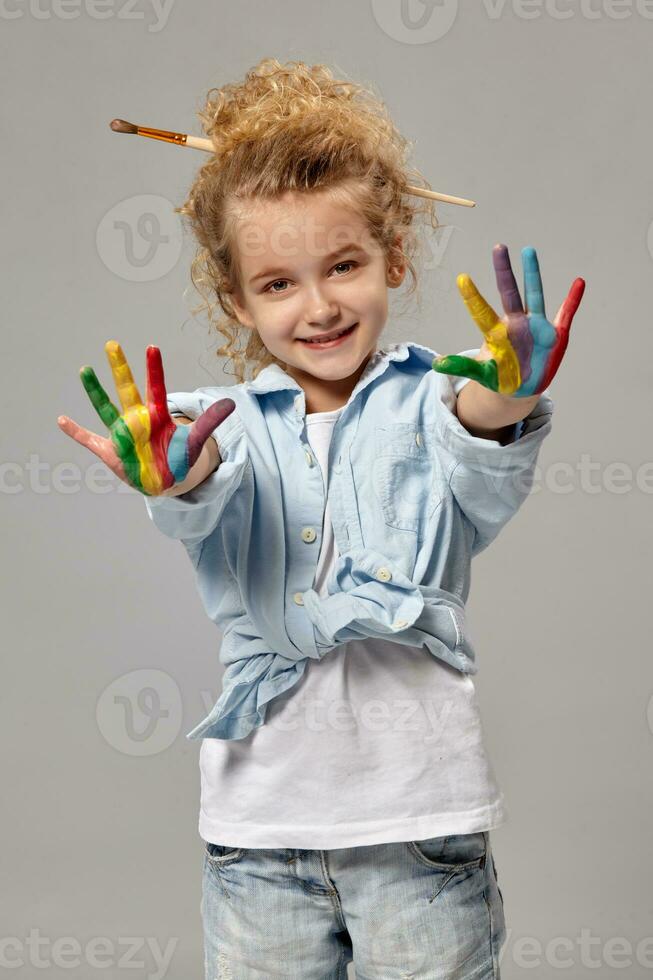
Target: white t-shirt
<point x="378" y="742"/>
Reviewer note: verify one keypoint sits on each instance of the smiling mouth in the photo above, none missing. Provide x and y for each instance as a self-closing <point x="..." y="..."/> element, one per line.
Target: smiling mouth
<point x="329" y="341"/>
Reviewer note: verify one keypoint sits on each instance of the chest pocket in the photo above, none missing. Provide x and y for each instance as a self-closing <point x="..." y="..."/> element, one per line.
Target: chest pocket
<point x="406" y="476"/>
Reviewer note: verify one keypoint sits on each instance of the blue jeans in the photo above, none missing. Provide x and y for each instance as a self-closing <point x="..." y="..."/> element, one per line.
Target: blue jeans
<point x="414" y="910"/>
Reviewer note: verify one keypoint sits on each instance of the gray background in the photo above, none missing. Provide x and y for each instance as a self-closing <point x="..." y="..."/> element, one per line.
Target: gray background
<point x="540" y="118"/>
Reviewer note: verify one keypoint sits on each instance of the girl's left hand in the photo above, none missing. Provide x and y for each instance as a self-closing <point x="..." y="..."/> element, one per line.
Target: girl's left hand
<point x="522" y="351"/>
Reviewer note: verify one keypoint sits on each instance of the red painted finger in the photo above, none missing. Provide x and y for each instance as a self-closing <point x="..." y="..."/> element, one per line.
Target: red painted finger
<point x="156" y="386"/>
<point x="571" y="304"/>
<point x="563" y="325"/>
<point x="162" y="426"/>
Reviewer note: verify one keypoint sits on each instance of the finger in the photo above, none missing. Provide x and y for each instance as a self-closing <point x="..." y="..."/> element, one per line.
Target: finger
<point x="568" y="309"/>
<point x="127" y="391"/>
<point x="533" y="293"/>
<point x="156" y="386"/>
<point x="141" y="469"/>
<point x="564" y="318"/>
<point x="81" y="435"/>
<point x="205" y="424"/>
<point x="485" y="372"/>
<point x="99" y="398"/>
<point x="161" y="424"/>
<point x="127" y="451"/>
<point x="481" y="311"/>
<point x="506" y="282"/>
<point x="102" y="448"/>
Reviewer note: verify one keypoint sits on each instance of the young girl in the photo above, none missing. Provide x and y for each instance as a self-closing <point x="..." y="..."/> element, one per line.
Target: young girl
<point x="331" y="507"/>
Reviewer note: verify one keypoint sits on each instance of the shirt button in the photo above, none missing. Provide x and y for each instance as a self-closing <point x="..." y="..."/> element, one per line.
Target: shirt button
<point x="309" y="457"/>
<point x="383" y="574"/>
<point x="400" y="624"/>
<point x="418" y="438"/>
<point x="299" y="599"/>
<point x="308" y="534"/>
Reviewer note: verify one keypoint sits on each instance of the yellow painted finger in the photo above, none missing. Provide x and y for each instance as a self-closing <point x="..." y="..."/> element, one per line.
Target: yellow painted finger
<point x="482" y="313"/>
<point x="136" y="416"/>
<point x="509" y="374"/>
<point x="150" y="477"/>
<point x="125" y="385"/>
<point x="140" y="425"/>
<point x="496" y="336"/>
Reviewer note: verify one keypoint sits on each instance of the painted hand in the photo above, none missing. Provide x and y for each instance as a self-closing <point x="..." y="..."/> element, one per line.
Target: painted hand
<point x="522" y="351"/>
<point x="146" y="449"/>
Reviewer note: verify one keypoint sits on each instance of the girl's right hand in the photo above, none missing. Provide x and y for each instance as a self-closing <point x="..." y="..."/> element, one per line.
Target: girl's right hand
<point x="147" y="450"/>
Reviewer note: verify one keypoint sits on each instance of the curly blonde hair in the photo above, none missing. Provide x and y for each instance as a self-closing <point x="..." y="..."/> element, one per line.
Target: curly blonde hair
<point x="293" y="127"/>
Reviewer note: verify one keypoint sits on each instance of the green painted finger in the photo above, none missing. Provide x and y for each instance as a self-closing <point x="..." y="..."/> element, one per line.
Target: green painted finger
<point x="99" y="398"/>
<point x="485" y="372"/>
<point x="125" y="447"/>
<point x="121" y="437"/>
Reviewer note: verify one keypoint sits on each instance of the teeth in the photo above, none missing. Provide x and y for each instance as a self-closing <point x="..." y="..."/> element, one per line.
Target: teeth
<point x="324" y="339"/>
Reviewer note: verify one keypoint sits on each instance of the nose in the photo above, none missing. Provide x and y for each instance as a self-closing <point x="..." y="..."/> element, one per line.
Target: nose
<point x="319" y="309"/>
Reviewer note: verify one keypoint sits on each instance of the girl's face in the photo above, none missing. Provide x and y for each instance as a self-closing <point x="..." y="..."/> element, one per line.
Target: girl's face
<point x="309" y="267"/>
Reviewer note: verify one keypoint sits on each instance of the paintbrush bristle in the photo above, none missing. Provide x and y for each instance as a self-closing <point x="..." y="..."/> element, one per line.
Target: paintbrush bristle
<point x="122" y="126"/>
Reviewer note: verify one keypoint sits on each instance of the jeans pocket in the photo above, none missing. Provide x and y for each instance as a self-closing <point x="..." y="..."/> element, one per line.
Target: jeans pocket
<point x="454" y="852"/>
<point x="221" y="854"/>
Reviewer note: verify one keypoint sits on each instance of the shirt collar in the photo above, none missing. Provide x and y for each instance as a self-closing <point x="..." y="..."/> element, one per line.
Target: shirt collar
<point x="274" y="378"/>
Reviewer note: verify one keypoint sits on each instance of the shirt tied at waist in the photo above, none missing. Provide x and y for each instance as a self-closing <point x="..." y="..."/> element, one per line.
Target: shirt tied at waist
<point x="374" y="598"/>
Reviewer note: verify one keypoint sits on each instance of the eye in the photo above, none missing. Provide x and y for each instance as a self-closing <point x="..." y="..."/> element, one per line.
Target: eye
<point x="269" y="288"/>
<point x="344" y="263"/>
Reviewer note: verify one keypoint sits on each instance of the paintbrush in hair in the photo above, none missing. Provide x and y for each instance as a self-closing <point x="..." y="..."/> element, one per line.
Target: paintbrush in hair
<point x="201" y="143"/>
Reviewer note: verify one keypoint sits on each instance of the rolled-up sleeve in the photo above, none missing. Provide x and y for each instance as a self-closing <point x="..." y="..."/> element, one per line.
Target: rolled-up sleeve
<point x="191" y="517"/>
<point x="488" y="480"/>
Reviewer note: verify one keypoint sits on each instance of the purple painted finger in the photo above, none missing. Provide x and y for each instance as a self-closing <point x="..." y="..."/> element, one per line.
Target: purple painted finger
<point x="519" y="333"/>
<point x="204" y="425"/>
<point x="506" y="282"/>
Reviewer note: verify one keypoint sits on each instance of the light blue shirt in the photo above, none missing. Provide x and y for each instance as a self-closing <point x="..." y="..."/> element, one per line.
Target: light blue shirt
<point x="413" y="498"/>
